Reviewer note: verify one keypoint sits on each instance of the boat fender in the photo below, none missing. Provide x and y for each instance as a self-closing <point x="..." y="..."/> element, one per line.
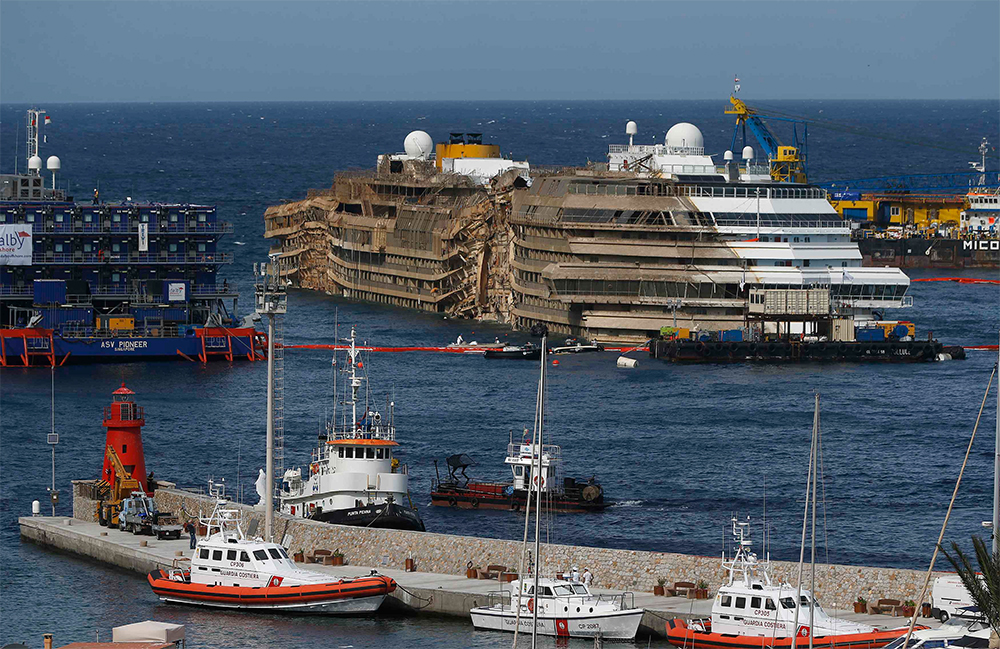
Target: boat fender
<point x="531" y="605"/>
<point x="702" y="349"/>
<point x="475" y="503"/>
<point x="733" y="347"/>
<point x="753" y="348"/>
<point x="543" y="481"/>
<point x="452" y="502"/>
<point x="843" y="350"/>
<point x="771" y="348"/>
<point x="515" y="507"/>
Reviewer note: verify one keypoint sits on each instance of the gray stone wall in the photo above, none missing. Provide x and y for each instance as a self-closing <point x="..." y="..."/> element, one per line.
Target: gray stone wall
<point x="836" y="585"/>
<point x="84" y="508"/>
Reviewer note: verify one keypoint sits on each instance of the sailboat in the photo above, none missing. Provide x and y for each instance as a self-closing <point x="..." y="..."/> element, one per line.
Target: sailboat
<point x="547" y="606"/>
<point x="752" y="611"/>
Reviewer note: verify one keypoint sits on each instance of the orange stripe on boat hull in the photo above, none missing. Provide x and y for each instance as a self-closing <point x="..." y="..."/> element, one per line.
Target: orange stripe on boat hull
<point x="680" y="635"/>
<point x="271" y="595"/>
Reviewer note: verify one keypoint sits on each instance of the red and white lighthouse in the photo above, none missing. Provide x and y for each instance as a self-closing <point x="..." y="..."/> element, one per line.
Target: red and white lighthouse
<point x="124" y="421"/>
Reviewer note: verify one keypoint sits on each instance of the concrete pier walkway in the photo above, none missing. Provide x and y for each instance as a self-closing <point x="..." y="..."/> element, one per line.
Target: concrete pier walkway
<point x="422" y="592"/>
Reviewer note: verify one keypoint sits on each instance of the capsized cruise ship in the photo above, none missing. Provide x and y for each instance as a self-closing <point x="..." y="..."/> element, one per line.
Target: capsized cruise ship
<point x="667" y="237"/>
<point x="658" y="236"/>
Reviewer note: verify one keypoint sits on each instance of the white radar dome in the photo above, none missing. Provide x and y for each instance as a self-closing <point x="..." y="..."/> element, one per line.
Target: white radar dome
<point x="53" y="163"/>
<point x="748" y="152"/>
<point x="685" y="136"/>
<point x="418" y="144"/>
<point x="727" y="156"/>
<point x="631" y="128"/>
<point x="34" y="162"/>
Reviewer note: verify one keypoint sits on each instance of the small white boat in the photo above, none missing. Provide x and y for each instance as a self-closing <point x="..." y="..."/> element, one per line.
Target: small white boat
<point x="565" y="609"/>
<point x="545" y="606"/>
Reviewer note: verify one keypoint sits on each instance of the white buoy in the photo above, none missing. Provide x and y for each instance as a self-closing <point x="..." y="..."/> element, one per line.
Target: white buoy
<point x="36" y="508"/>
<point x="626" y="362"/>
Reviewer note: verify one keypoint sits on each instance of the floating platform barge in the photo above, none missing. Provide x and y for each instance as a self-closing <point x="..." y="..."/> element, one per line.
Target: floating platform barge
<point x="791" y="351"/>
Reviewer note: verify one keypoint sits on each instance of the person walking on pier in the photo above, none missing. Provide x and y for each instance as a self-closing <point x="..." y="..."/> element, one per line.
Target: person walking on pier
<point x="587" y="577"/>
<point x="190" y="528"/>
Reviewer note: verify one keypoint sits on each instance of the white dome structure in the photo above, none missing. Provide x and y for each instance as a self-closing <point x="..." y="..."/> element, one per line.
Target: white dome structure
<point x="685" y="138"/>
<point x="631" y="128"/>
<point x="748" y="152"/>
<point x="727" y="156"/>
<point x="53" y="163"/>
<point x="34" y="163"/>
<point x="418" y="144"/>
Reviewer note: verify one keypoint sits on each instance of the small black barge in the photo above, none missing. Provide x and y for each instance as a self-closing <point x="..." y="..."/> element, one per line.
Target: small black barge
<point x="796" y="351"/>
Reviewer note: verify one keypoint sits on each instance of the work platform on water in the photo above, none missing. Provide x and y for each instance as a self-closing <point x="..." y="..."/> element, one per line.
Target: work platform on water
<point x="421" y="592"/>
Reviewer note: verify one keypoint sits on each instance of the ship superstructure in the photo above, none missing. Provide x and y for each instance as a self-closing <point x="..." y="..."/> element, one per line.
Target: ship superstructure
<point x="117" y="280"/>
<point x="659" y="236"/>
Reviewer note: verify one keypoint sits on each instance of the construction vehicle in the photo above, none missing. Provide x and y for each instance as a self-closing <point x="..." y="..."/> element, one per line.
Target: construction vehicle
<point x="123" y="486"/>
<point x="138" y="514"/>
<point x="787" y="163"/>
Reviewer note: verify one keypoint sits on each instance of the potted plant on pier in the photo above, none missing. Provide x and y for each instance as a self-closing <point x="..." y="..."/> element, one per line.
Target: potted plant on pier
<point x="659" y="589"/>
<point x="701" y="590"/>
<point x="471" y="572"/>
<point x="337" y="558"/>
<point x="909" y="608"/>
<point x="299" y="556"/>
<point x="925" y="609"/>
<point x="861" y="606"/>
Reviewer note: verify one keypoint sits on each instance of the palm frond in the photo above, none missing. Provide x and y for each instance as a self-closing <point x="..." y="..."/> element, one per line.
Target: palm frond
<point x="983" y="584"/>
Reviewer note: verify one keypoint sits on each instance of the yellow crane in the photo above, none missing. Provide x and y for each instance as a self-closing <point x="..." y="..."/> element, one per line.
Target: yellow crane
<point x="788" y="163"/>
<point x="118" y="491"/>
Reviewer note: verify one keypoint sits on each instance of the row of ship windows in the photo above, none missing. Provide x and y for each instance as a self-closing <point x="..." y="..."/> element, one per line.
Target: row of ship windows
<point x="755" y="602"/>
<point x="231" y="555"/>
<point x="364" y="453"/>
<point x="646" y="288"/>
<point x="88" y="217"/>
<point x="59" y="246"/>
<point x="720" y="191"/>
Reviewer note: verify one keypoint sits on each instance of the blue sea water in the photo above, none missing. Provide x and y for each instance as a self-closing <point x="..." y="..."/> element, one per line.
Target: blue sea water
<point x="681" y="448"/>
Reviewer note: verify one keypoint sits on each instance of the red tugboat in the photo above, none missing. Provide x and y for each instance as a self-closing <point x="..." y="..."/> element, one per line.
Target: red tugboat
<point x="569" y="495"/>
<point x="229" y="570"/>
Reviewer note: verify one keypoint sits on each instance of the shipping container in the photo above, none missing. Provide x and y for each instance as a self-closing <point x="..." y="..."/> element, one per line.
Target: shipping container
<point x="50" y="291"/>
<point x="116" y="322"/>
<point x="732" y="336"/>
<point x="842" y="330"/>
<point x="681" y="333"/>
<point x="870" y="334"/>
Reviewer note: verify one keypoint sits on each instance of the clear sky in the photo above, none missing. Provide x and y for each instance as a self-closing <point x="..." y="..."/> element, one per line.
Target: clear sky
<point x="257" y="50"/>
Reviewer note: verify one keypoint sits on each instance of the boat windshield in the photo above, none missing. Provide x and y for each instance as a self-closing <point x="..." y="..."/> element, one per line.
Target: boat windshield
<point x="564" y="590"/>
<point x="917" y="642"/>
<point x="580" y="589"/>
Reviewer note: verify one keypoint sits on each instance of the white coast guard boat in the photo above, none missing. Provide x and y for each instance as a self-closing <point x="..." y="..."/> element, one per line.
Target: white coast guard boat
<point x="229" y="570"/>
<point x="749" y="607"/>
<point x="565" y="609"/>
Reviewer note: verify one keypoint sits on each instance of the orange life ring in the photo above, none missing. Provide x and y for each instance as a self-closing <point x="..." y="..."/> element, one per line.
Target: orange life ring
<point x="543" y="481"/>
<point x="531" y="605"/>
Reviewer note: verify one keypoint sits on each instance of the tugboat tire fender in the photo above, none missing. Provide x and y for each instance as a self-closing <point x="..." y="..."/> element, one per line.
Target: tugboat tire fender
<point x="475" y="503"/>
<point x="702" y="349"/>
<point x="515" y="506"/>
<point x="452" y="502"/>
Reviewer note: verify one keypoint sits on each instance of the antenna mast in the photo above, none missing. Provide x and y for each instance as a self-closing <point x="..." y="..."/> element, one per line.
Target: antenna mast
<point x="32" y="124"/>
<point x="271" y="301"/>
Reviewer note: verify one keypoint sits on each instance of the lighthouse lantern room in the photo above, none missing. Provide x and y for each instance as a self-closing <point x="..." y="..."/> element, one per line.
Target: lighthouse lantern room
<point x="124" y="421"/>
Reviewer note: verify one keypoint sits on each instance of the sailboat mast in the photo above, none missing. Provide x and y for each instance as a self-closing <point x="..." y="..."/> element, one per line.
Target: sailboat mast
<point x="815" y="472"/>
<point x="539" y="478"/>
<point x="805" y="521"/>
